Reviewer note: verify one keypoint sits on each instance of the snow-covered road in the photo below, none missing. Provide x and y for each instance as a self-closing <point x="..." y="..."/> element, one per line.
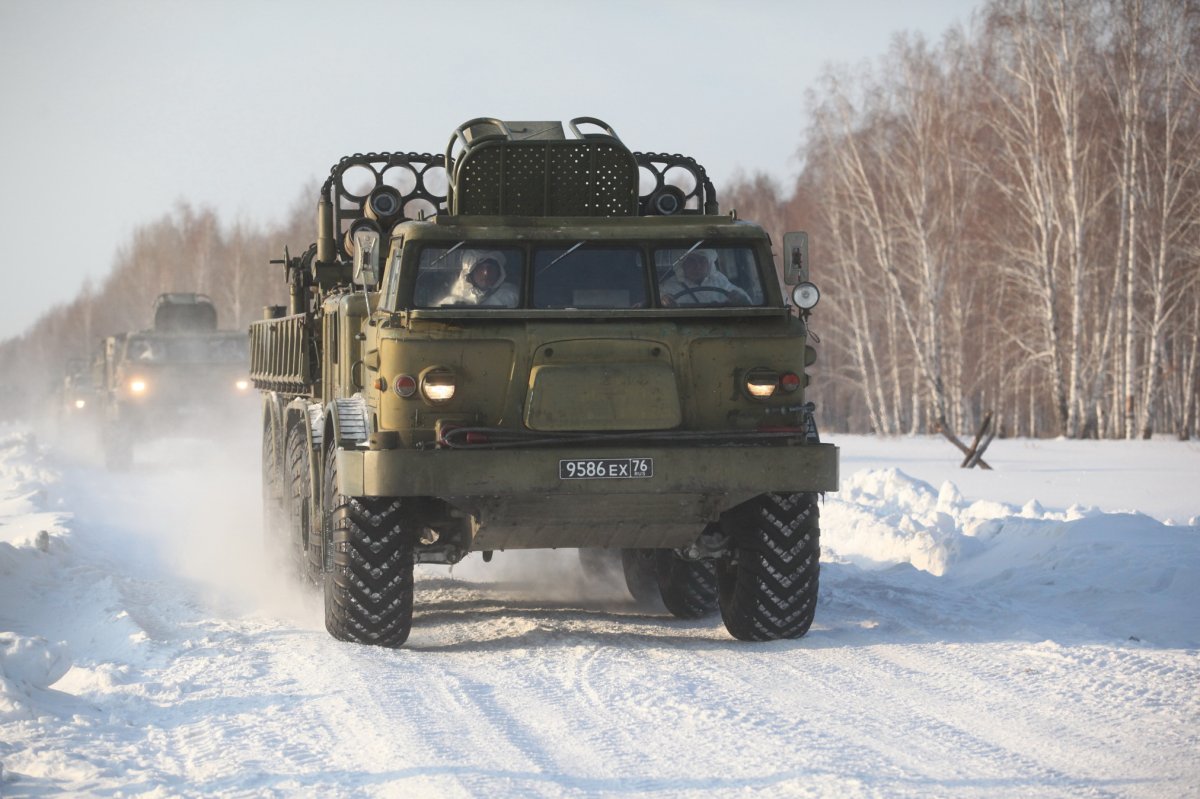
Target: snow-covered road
<point x="1002" y="636"/>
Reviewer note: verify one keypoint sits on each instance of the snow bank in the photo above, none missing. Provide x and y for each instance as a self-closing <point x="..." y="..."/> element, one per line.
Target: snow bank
<point x="27" y="662"/>
<point x="1123" y="573"/>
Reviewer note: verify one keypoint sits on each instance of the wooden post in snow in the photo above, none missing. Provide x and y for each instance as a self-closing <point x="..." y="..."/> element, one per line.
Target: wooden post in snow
<point x="973" y="455"/>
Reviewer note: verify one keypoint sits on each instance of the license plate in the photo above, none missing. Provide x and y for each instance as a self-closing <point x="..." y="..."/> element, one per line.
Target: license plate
<point x="605" y="468"/>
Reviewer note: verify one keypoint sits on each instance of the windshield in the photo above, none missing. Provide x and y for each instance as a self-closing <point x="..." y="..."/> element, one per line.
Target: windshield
<point x="581" y="275"/>
<point x="225" y="348"/>
<point x="589" y="277"/>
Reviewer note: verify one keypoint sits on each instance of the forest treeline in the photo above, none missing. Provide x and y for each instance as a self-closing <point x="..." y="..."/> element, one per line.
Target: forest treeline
<point x="1009" y="221"/>
<point x="1005" y="221"/>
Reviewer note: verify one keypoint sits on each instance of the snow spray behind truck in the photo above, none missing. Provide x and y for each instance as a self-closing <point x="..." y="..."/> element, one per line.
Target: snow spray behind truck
<point x="542" y="340"/>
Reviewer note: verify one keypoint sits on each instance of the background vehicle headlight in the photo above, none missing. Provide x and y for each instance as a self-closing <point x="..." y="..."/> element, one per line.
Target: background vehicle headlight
<point x="137" y="386"/>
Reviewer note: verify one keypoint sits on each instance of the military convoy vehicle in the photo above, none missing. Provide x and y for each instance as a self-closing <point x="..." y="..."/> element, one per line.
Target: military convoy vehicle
<point x="75" y="398"/>
<point x="76" y="393"/>
<point x="537" y="340"/>
<point x="177" y="376"/>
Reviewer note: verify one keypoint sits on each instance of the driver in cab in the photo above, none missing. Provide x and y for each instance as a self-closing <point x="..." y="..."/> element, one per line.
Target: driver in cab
<point x="695" y="280"/>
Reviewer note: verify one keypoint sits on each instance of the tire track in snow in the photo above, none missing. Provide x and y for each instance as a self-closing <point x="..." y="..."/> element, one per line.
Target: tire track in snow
<point x="935" y="707"/>
<point x="537" y="708"/>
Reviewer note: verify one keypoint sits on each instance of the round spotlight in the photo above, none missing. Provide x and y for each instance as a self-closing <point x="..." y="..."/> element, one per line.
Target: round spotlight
<point x="806" y="296"/>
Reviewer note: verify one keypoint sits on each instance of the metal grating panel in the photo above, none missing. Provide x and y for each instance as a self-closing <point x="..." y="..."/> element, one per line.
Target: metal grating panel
<point x="524" y="192"/>
<point x="546" y="178"/>
<point x="281" y="355"/>
<point x="481" y="184"/>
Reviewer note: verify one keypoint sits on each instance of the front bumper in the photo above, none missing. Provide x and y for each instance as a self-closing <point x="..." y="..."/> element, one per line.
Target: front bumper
<point x="516" y="499"/>
<point x="712" y="470"/>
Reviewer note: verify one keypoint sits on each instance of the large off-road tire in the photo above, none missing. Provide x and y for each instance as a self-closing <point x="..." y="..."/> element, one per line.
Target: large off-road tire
<point x="640" y="577"/>
<point x="298" y="501"/>
<point x="768" y="586"/>
<point x="369" y="585"/>
<point x="274" y="516"/>
<point x="688" y="589"/>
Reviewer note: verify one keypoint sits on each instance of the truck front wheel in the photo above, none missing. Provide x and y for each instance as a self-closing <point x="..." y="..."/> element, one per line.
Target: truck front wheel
<point x="369" y="585"/>
<point x="768" y="584"/>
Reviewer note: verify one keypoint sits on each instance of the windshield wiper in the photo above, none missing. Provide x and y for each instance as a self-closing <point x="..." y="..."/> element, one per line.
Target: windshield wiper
<point x="690" y="250"/>
<point x="564" y="255"/>
<point x="443" y="256"/>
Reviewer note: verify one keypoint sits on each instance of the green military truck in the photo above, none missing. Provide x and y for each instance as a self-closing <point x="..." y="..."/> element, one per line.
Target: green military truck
<point x="540" y="340"/>
<point x="182" y="375"/>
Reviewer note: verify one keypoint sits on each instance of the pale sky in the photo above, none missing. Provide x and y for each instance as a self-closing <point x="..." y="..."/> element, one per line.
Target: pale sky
<point x="115" y="109"/>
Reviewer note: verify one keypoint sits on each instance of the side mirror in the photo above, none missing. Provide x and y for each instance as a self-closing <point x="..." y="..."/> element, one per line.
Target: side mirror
<point x="366" y="256"/>
<point x="795" y="257"/>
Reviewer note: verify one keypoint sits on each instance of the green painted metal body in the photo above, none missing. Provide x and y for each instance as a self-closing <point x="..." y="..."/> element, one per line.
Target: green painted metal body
<point x="540" y="387"/>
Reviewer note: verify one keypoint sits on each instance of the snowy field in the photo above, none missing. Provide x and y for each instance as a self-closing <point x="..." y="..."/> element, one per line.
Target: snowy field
<point x="1029" y="631"/>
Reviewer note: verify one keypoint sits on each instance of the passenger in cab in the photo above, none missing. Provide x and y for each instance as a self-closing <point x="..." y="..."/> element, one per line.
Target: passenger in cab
<point x="482" y="282"/>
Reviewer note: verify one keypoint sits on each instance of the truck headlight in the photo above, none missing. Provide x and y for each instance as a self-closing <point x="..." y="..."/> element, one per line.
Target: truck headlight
<point x="137" y="386"/>
<point x="761" y="383"/>
<point x="438" y="384"/>
<point x="242" y="384"/>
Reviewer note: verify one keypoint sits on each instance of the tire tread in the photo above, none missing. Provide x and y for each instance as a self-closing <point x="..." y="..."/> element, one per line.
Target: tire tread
<point x="769" y="590"/>
<point x="369" y="589"/>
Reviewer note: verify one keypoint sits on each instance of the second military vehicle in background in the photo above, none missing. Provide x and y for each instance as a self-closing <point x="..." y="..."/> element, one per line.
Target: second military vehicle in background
<point x="175" y="377"/>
